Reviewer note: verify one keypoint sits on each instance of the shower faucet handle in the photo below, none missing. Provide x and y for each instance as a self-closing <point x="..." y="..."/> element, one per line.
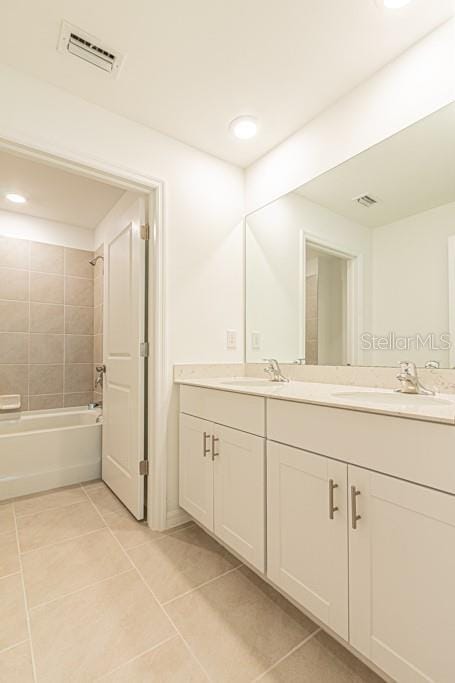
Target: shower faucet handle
<point x="101" y="368"/>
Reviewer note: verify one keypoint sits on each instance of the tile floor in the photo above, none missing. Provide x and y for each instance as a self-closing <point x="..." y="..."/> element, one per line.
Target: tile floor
<point x="87" y="593"/>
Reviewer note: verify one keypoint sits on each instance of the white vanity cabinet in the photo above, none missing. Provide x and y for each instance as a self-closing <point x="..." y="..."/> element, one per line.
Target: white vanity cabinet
<point x="222" y="468"/>
<point x="307" y="532"/>
<point x="402" y="577"/>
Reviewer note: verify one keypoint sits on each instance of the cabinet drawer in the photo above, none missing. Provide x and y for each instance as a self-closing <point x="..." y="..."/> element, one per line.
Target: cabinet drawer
<point x="239" y="411"/>
<point x="422" y="452"/>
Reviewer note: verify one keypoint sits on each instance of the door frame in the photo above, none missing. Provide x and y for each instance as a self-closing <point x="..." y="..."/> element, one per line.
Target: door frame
<point x="158" y="376"/>
<point x="354" y="293"/>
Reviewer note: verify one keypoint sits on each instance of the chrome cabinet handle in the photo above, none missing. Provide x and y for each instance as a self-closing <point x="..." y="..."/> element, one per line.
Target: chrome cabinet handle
<point x="205" y="447"/>
<point x="215" y="440"/>
<point x="332" y="508"/>
<point x="355" y="516"/>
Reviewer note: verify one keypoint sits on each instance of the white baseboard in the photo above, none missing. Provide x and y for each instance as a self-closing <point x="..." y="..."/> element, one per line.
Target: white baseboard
<point x="176" y="517"/>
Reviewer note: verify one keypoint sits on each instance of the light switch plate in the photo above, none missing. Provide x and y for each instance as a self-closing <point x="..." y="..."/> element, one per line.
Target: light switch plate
<point x="256" y="341"/>
<point x="231" y="339"/>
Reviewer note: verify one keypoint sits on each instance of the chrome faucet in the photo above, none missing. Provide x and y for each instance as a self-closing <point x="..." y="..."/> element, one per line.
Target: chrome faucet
<point x="100" y="370"/>
<point x="409" y="380"/>
<point x="273" y="369"/>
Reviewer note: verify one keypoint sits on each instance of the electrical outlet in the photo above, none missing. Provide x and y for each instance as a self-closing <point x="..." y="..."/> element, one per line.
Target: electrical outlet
<point x="231" y="339"/>
<point x="256" y="341"/>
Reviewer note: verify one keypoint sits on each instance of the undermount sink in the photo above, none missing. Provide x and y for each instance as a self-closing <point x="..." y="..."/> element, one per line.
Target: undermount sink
<point x="258" y="383"/>
<point x="397" y="398"/>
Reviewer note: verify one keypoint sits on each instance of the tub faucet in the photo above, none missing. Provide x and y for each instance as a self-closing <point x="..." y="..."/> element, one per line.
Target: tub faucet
<point x="273" y="369"/>
<point x="100" y="371"/>
<point x="409" y="380"/>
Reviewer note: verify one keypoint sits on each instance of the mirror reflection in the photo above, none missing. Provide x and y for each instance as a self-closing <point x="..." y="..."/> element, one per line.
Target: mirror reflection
<point x="358" y="266"/>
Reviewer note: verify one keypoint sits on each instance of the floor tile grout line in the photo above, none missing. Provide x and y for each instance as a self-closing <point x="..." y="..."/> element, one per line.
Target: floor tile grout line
<point x="192" y="654"/>
<point x="79" y="590"/>
<point x="288" y="654"/>
<point x="11" y="647"/>
<point x="202" y="585"/>
<point x="65" y="540"/>
<point x="133" y="659"/>
<point x="158" y="538"/>
<point x="26" y="607"/>
<point x="7" y="576"/>
<point x="22" y="553"/>
<point x="50" y="509"/>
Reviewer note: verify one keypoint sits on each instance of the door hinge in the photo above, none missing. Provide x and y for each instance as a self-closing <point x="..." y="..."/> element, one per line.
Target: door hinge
<point x="144" y="467"/>
<point x="145" y="231"/>
<point x="144" y="349"/>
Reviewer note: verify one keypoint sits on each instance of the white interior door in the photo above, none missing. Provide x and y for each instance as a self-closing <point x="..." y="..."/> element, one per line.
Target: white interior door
<point x="124" y="382"/>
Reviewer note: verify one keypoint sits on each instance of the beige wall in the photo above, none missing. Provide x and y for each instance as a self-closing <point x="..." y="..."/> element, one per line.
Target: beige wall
<point x="46" y="323"/>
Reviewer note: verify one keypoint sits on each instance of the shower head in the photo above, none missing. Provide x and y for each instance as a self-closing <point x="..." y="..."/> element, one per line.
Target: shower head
<point x="94" y="260"/>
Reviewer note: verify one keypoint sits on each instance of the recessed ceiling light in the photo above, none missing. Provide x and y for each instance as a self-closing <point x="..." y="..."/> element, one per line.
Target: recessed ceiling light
<point x="244" y="127"/>
<point x="396" y="4"/>
<point x="15" y="198"/>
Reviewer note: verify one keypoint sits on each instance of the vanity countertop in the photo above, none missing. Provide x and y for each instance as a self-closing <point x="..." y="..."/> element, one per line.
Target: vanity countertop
<point x="438" y="408"/>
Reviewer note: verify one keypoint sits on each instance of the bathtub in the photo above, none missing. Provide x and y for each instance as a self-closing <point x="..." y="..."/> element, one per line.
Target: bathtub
<point x="42" y="450"/>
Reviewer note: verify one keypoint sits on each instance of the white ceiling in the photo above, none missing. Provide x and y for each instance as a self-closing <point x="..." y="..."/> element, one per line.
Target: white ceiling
<point x="55" y="194"/>
<point x="191" y="67"/>
<point x="411" y="172"/>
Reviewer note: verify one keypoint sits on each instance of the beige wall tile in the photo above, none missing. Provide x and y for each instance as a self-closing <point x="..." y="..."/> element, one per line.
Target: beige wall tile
<point x="13" y="252"/>
<point x="46" y="528"/>
<point x="55" y="571"/>
<point x="78" y="378"/>
<point x="13" y="284"/>
<point x="78" y="320"/>
<point x="16" y="665"/>
<point x="78" y="291"/>
<point x="46" y="348"/>
<point x="47" y="318"/>
<point x="181" y="562"/>
<point x="98" y="291"/>
<point x="13" y="316"/>
<point x="170" y="661"/>
<point x="77" y="263"/>
<point x="46" y="258"/>
<point x="79" y="399"/>
<point x="46" y="379"/>
<point x="14" y="379"/>
<point x="13" y="348"/>
<point x="79" y="348"/>
<point x="83" y="636"/>
<point x="13" y="625"/>
<point x="45" y="402"/>
<point x="46" y="288"/>
<point x="98" y="320"/>
<point x="98" y="348"/>
<point x="9" y="554"/>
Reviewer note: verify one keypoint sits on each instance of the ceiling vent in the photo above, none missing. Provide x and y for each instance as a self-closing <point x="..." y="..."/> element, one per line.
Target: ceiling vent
<point x="79" y="43"/>
<point x="365" y="200"/>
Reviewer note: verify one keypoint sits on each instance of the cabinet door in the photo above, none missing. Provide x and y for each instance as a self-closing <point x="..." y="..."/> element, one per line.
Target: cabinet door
<point x="196" y="469"/>
<point x="307" y="531"/>
<point x="402" y="569"/>
<point x="239" y="495"/>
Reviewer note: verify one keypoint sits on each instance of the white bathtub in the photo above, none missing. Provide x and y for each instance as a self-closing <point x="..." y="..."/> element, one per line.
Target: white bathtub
<point x="41" y="450"/>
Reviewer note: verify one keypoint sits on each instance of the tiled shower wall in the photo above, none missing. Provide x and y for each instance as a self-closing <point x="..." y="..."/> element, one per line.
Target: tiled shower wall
<point x="98" y="296"/>
<point x="46" y="324"/>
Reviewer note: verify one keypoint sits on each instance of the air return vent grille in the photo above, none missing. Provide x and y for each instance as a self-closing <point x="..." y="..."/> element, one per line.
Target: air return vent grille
<point x="79" y="43"/>
<point x="365" y="200"/>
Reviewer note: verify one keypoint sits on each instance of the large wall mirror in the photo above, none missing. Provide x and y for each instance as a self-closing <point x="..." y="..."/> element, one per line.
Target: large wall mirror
<point x="357" y="267"/>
